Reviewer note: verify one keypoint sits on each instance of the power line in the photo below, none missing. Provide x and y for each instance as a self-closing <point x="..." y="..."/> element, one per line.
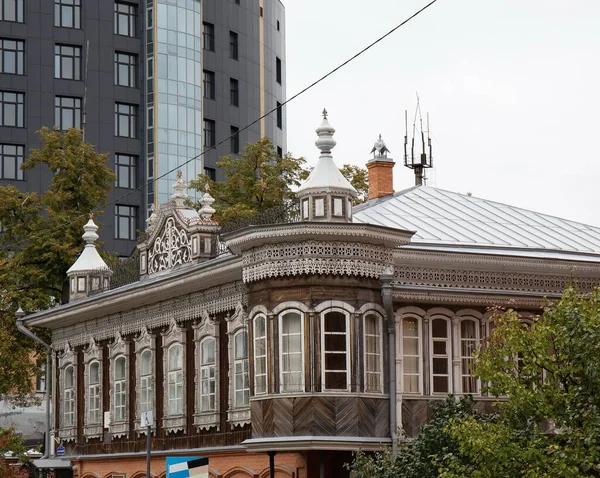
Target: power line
<point x="301" y="92"/>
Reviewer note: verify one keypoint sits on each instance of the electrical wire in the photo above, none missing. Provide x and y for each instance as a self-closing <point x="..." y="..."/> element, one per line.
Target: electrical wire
<point x="215" y="146"/>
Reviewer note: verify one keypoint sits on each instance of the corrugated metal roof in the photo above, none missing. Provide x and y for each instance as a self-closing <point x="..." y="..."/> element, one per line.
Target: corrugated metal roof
<point x="445" y="218"/>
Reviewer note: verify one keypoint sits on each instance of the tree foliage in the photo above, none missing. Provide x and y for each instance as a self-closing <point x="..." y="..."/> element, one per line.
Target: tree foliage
<point x="359" y="178"/>
<point x="14" y="446"/>
<point x="549" y="425"/>
<point x="256" y="181"/>
<point x="42" y="239"/>
<point x="421" y="457"/>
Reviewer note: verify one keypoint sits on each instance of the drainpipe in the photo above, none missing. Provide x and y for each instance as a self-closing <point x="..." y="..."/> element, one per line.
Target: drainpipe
<point x="20" y="315"/>
<point x="386" y="277"/>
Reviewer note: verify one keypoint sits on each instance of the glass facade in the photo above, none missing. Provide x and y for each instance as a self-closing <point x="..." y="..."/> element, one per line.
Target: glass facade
<point x="174" y="43"/>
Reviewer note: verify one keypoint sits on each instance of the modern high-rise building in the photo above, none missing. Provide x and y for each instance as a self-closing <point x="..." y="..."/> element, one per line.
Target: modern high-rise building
<point x="152" y="82"/>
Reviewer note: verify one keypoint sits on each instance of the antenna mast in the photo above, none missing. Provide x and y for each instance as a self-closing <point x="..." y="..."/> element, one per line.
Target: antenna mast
<point x="425" y="159"/>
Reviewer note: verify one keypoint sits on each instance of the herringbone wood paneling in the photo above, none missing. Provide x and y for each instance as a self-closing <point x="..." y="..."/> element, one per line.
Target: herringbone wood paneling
<point x="283" y="418"/>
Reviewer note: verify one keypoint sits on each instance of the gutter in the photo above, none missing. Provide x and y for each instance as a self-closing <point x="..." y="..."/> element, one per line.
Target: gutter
<point x="386" y="278"/>
<point x="20" y="315"/>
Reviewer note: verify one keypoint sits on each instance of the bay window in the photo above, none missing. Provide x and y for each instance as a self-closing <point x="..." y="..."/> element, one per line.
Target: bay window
<point x="440" y="355"/>
<point x="291" y="349"/>
<point x="373" y="355"/>
<point x="411" y="355"/>
<point x="260" y="355"/>
<point x="335" y="346"/>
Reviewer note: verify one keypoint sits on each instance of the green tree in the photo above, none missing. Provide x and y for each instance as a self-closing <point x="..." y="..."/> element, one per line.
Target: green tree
<point x="256" y="181"/>
<point x="549" y="424"/>
<point x="41" y="240"/>
<point x="421" y="457"/>
<point x="359" y="178"/>
<point x="15" y="446"/>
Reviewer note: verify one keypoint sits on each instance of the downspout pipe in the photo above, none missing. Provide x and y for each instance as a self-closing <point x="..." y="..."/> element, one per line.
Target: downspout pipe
<point x="20" y="315"/>
<point x="386" y="278"/>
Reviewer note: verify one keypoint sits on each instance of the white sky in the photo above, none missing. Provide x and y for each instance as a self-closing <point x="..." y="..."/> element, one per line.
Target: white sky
<point x="512" y="88"/>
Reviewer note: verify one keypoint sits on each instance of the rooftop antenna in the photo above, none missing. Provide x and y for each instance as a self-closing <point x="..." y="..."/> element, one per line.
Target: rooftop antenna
<point x="422" y="161"/>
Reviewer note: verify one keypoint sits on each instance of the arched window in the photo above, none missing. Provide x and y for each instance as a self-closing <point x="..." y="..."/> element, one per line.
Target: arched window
<point x="208" y="379"/>
<point x="260" y="355"/>
<point x="335" y="346"/>
<point x="468" y="344"/>
<point x="373" y="356"/>
<point x="146" y="382"/>
<point x="291" y="349"/>
<point x="175" y="379"/>
<point x="241" y="383"/>
<point x="120" y="389"/>
<point x="94" y="392"/>
<point x="411" y="355"/>
<point x="69" y="397"/>
<point x="440" y="355"/>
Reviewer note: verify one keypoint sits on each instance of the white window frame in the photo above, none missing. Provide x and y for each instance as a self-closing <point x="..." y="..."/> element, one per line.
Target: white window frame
<point x="65" y="359"/>
<point x="145" y="343"/>
<point x="146" y="382"/>
<point x="175" y="382"/>
<point x="433" y="355"/>
<point x="281" y="354"/>
<point x="241" y="370"/>
<point x="236" y="322"/>
<point x="94" y="409"/>
<point x="174" y="337"/>
<point x="404" y="355"/>
<point x="347" y="352"/>
<point x="466" y="359"/>
<point x="204" y="331"/>
<point x="69" y="397"/>
<point x="366" y="353"/>
<point x="208" y="375"/>
<point x="263" y="388"/>
<point x="120" y="390"/>
<point x="93" y="353"/>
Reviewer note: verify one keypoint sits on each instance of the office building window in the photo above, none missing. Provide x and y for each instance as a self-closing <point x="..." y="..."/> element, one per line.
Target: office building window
<point x="280" y="151"/>
<point x="278" y="74"/>
<point x="67" y="62"/>
<point x="67" y="112"/>
<point x="209" y="133"/>
<point x="279" y="115"/>
<point x="208" y="36"/>
<point x="12" y="53"/>
<point x="278" y="25"/>
<point x="235" y="140"/>
<point x="126" y="170"/>
<point x="125" y="69"/>
<point x="12" y="107"/>
<point x="125" y="14"/>
<point x="11" y="160"/>
<point x="11" y="10"/>
<point x="210" y="173"/>
<point x="125" y="222"/>
<point x="67" y="13"/>
<point x="234" y="92"/>
<point x="209" y="84"/>
<point x="233" y="45"/>
<point x="126" y="117"/>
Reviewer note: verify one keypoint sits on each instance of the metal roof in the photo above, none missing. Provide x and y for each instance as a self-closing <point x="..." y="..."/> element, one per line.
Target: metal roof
<point x="444" y="220"/>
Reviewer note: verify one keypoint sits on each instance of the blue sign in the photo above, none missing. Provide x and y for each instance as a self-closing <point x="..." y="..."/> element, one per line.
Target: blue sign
<point x="60" y="450"/>
<point x="187" y="467"/>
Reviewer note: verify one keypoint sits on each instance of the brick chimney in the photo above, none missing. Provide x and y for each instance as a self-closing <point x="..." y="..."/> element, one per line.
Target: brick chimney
<point x="381" y="176"/>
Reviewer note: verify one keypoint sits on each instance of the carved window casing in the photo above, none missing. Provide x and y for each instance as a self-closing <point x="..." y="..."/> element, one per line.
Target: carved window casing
<point x="92" y="356"/>
<point x="206" y="338"/>
<point x="67" y="365"/>
<point x="335" y="350"/>
<point x="373" y="356"/>
<point x="119" y="394"/>
<point x="145" y="350"/>
<point x="291" y="351"/>
<point x="410" y="351"/>
<point x="239" y="376"/>
<point x="259" y="328"/>
<point x="174" y="360"/>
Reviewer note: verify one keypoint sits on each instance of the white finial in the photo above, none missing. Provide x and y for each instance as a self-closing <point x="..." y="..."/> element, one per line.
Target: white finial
<point x="180" y="187"/>
<point x="89" y="259"/>
<point x="206" y="211"/>
<point x="90" y="236"/>
<point x="151" y="221"/>
<point x="325" y="142"/>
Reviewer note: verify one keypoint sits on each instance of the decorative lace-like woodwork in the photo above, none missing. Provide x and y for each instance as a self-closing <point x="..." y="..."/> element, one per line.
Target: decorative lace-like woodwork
<point x="315" y="257"/>
<point x="171" y="248"/>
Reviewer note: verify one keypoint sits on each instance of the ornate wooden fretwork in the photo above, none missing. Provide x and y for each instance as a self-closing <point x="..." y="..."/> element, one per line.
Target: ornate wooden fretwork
<point x="184" y="308"/>
<point x="315" y="257"/>
<point x="171" y="248"/>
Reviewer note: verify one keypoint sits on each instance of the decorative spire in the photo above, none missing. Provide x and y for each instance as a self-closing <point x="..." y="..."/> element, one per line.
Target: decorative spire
<point x="180" y="187"/>
<point x="325" y="142"/>
<point x="206" y="211"/>
<point x="151" y="221"/>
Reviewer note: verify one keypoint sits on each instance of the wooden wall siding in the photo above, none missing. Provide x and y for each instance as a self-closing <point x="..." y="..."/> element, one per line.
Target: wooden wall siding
<point x="320" y="416"/>
<point x="415" y="413"/>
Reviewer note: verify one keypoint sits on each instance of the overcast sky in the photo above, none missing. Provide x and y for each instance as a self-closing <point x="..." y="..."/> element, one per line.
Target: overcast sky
<point x="512" y="88"/>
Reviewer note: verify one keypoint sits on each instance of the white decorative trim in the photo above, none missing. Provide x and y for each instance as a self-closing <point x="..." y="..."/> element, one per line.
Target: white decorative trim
<point x="170" y="249"/>
<point x="144" y="341"/>
<point x="188" y="307"/>
<point x="119" y="348"/>
<point x="174" y="335"/>
<point x="458" y="297"/>
<point x="205" y="329"/>
<point x="236" y="416"/>
<point x="332" y="304"/>
<point x="90" y="354"/>
<point x="290" y="304"/>
<point x="67" y="358"/>
<point x="372" y="306"/>
<point x="315" y="257"/>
